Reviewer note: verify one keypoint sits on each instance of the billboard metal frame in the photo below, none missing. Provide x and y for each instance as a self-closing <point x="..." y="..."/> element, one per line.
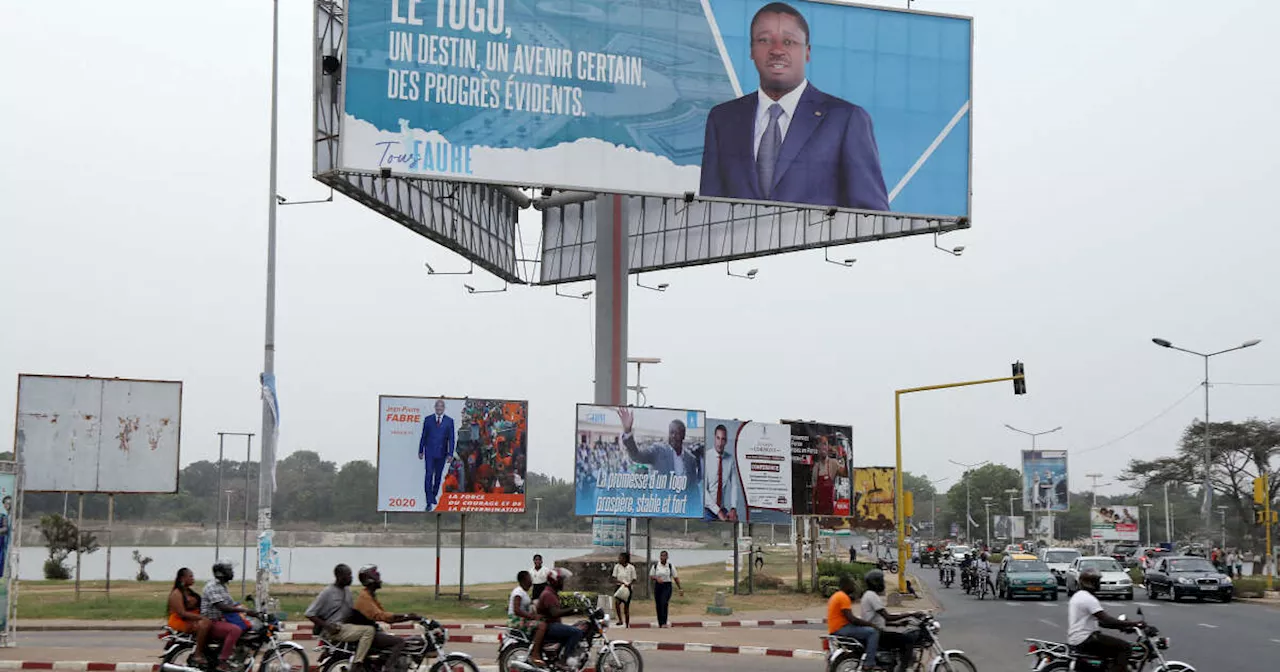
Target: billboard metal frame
<point x="479" y="220"/>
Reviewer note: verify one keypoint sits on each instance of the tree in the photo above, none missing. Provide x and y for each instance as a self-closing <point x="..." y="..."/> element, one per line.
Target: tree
<point x="1239" y="452"/>
<point x="304" y="488"/>
<point x="355" y="498"/>
<point x="63" y="538"/>
<point x="989" y="480"/>
<point x="924" y="494"/>
<point x="142" y="565"/>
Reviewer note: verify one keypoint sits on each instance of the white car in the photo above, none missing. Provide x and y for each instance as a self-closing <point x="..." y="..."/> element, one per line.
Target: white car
<point x="1115" y="581"/>
<point x="958" y="553"/>
<point x="1059" y="559"/>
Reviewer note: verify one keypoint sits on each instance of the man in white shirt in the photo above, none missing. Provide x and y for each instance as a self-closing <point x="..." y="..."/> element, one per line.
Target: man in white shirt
<point x="1085" y="618"/>
<point x="539" y="576"/>
<point x="871" y="609"/>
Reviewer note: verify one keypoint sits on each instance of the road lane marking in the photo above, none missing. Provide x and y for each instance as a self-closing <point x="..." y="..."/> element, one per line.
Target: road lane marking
<point x="1146" y="604"/>
<point x="1206" y="625"/>
<point x="1277" y="641"/>
<point x="1048" y="622"/>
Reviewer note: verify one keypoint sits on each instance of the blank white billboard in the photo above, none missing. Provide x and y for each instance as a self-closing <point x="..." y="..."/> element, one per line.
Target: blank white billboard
<point x="98" y="434"/>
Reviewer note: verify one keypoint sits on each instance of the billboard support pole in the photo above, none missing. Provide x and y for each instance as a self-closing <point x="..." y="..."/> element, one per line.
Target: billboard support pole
<point x="217" y="516"/>
<point x="797" y="524"/>
<point x="612" y="259"/>
<point x="736" y="554"/>
<point x="751" y="562"/>
<point x="897" y="430"/>
<point x="648" y="555"/>
<point x="462" y="555"/>
<point x="79" y="538"/>
<point x="438" y="555"/>
<point x="244" y="541"/>
<point x="111" y="520"/>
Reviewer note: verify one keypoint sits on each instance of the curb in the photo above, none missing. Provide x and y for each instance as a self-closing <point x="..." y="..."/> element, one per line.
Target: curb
<point x="84" y="666"/>
<point x="292" y="627"/>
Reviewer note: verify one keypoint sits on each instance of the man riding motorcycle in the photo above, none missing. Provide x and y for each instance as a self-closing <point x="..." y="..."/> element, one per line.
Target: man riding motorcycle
<point x="871" y="608"/>
<point x="551" y="611"/>
<point x="368" y="611"/>
<point x="1085" y="617"/>
<point x="217" y="605"/>
<point x="330" y="612"/>
<point x="842" y="623"/>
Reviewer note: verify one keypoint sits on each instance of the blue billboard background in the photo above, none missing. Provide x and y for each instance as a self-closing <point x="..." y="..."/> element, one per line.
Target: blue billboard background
<point x="1044" y="480"/>
<point x="910" y="72"/>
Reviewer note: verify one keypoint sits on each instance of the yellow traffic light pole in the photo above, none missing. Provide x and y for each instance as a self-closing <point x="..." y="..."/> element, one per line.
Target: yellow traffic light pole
<point x="1262" y="495"/>
<point x="898" y="498"/>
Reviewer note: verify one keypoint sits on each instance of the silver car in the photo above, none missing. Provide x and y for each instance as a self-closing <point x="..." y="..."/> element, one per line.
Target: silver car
<point x="1115" y="580"/>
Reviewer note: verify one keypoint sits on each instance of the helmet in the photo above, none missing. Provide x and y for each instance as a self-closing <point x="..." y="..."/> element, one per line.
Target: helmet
<point x="224" y="571"/>
<point x="874" y="580"/>
<point x="370" y="577"/>
<point x="1090" y="579"/>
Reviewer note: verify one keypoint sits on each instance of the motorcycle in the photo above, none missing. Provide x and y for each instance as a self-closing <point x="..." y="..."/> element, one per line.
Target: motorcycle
<point x="336" y="656"/>
<point x="1147" y="649"/>
<point x="981" y="582"/>
<point x="884" y="565"/>
<point x="613" y="656"/>
<point x="968" y="578"/>
<point x="946" y="574"/>
<point x="258" y="647"/>
<point x="846" y="653"/>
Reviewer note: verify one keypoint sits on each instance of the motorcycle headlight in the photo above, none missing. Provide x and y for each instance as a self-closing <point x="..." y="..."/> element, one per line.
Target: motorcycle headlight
<point x="934" y="627"/>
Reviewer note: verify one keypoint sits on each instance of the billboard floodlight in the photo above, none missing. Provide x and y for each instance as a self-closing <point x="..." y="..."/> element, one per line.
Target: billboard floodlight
<point x="660" y="288"/>
<point x="473" y="290"/>
<point x="749" y="275"/>
<point x="581" y="297"/>
<point x="432" y="271"/>
<point x="826" y="255"/>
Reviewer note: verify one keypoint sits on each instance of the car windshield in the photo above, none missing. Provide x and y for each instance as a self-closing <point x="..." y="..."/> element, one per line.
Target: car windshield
<point x="1028" y="566"/>
<point x="1191" y="565"/>
<point x="959" y="549"/>
<point x="1101" y="565"/>
<point x="1061" y="556"/>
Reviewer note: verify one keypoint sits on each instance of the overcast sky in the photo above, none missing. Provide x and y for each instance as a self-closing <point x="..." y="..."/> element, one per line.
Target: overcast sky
<point x="1124" y="179"/>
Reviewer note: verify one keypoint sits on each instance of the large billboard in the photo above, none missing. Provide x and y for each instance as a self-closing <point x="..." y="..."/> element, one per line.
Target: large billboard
<point x="1114" y="523"/>
<point x="639" y="462"/>
<point x="748" y="472"/>
<point x="86" y="434"/>
<point x="1009" y="528"/>
<point x="1044" y="480"/>
<point x="821" y="468"/>
<point x="447" y="454"/>
<point x="874" y="490"/>
<point x="812" y="103"/>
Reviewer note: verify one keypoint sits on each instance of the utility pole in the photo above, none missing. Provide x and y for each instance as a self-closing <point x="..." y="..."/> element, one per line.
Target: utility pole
<point x="1013" y="497"/>
<point x="1168" y="520"/>
<point x="986" y="503"/>
<point x="1148" y="508"/>
<point x="537" y="512"/>
<point x="1095" y="477"/>
<point x="1222" y="513"/>
<point x="968" y="539"/>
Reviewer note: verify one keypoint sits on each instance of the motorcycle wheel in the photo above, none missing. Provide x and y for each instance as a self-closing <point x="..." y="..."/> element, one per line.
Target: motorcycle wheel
<point x="336" y="663"/>
<point x="457" y="665"/>
<point x="628" y="660"/>
<point x="847" y="662"/>
<point x="284" y="660"/>
<point x="180" y="656"/>
<point x="513" y="654"/>
<point x="1175" y="667"/>
<point x="956" y="662"/>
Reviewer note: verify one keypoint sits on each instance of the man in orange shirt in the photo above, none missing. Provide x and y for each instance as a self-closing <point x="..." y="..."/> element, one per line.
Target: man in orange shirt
<point x="842" y="623"/>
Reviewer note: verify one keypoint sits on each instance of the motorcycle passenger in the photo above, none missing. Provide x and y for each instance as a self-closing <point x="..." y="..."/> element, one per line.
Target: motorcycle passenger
<point x="216" y="605"/>
<point x="184" y="613"/>
<point x="1085" y="618"/>
<point x="872" y="610"/>
<point x="551" y="611"/>
<point x="330" y="612"/>
<point x="842" y="623"/>
<point x="367" y="610"/>
<point x="520" y="613"/>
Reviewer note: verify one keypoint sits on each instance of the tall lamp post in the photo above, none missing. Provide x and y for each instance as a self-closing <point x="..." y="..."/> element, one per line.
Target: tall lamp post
<point x="968" y="538"/>
<point x="537" y="512"/>
<point x="1013" y="497"/>
<point x="1206" y="505"/>
<point x="1168" y="519"/>
<point x="1222" y="513"/>
<point x="933" y="506"/>
<point x="1148" y="508"/>
<point x="1033" y="436"/>
<point x="986" y="503"/>
<point x="1094" y="505"/>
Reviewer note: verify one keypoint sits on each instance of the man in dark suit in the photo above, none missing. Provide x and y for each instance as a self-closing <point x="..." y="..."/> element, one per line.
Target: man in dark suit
<point x="789" y="141"/>
<point x="436" y="449"/>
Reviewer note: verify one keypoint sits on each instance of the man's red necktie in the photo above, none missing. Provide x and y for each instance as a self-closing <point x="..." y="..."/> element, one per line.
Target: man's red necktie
<point x="720" y="483"/>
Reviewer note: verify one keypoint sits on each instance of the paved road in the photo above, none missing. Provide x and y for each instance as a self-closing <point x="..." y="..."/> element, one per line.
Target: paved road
<point x="1212" y="637"/>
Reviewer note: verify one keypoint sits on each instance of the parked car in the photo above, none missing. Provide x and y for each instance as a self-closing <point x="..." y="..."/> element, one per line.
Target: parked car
<point x="1115" y="580"/>
<point x="1185" y="576"/>
<point x="1058" y="560"/>
<point x="1022" y="574"/>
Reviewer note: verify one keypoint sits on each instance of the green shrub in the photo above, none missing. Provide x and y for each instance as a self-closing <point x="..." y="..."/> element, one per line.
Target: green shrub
<point x="835" y="568"/>
<point x="1250" y="586"/>
<point x="995" y="558"/>
<point x="828" y="585"/>
<point x="54" y="570"/>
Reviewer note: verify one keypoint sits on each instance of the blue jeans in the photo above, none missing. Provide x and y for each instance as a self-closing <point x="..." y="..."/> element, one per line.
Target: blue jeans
<point x="567" y="635"/>
<point x="870" y="638"/>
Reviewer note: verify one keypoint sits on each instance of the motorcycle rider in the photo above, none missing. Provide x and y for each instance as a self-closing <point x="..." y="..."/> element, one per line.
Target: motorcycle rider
<point x="1085" y="618"/>
<point x="871" y="608"/>
<point x="216" y="604"/>
<point x="982" y="570"/>
<point x="367" y="610"/>
<point x="842" y="623"/>
<point x="551" y="611"/>
<point x="330" y="612"/>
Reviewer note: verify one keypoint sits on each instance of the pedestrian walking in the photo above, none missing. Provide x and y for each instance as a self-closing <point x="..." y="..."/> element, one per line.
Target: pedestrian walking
<point x="663" y="575"/>
<point x="1230" y="570"/>
<point x="624" y="577"/>
<point x="1239" y="563"/>
<point x="539" y="575"/>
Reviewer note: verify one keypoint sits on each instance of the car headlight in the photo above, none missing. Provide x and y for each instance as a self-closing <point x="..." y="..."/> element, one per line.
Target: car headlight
<point x="1224" y="580"/>
<point x="1183" y="579"/>
<point x="1017" y="582"/>
<point x="1126" y="582"/>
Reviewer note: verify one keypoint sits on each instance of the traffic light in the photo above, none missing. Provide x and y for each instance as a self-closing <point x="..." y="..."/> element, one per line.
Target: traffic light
<point x="1260" y="490"/>
<point x="1260" y="517"/>
<point x="1019" y="381"/>
<point x="908" y="504"/>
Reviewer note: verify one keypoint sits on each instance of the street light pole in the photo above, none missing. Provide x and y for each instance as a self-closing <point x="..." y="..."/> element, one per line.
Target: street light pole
<point x="537" y="512"/>
<point x="1148" y="508"/>
<point x="986" y="503"/>
<point x="1168" y="520"/>
<point x="1222" y="512"/>
<point x="933" y="505"/>
<point x="1206" y="504"/>
<point x="968" y="537"/>
<point x="1094" y="505"/>
<point x="1013" y="496"/>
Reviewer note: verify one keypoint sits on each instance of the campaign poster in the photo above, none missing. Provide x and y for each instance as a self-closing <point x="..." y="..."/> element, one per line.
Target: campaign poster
<point x="446" y="454"/>
<point x="639" y="462"/>
<point x="1114" y="523"/>
<point x="1044" y="480"/>
<point x="1008" y="528"/>
<point x="874" y="490"/>
<point x="748" y="472"/>
<point x="821" y="469"/>
<point x="8" y="490"/>
<point x="821" y="104"/>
